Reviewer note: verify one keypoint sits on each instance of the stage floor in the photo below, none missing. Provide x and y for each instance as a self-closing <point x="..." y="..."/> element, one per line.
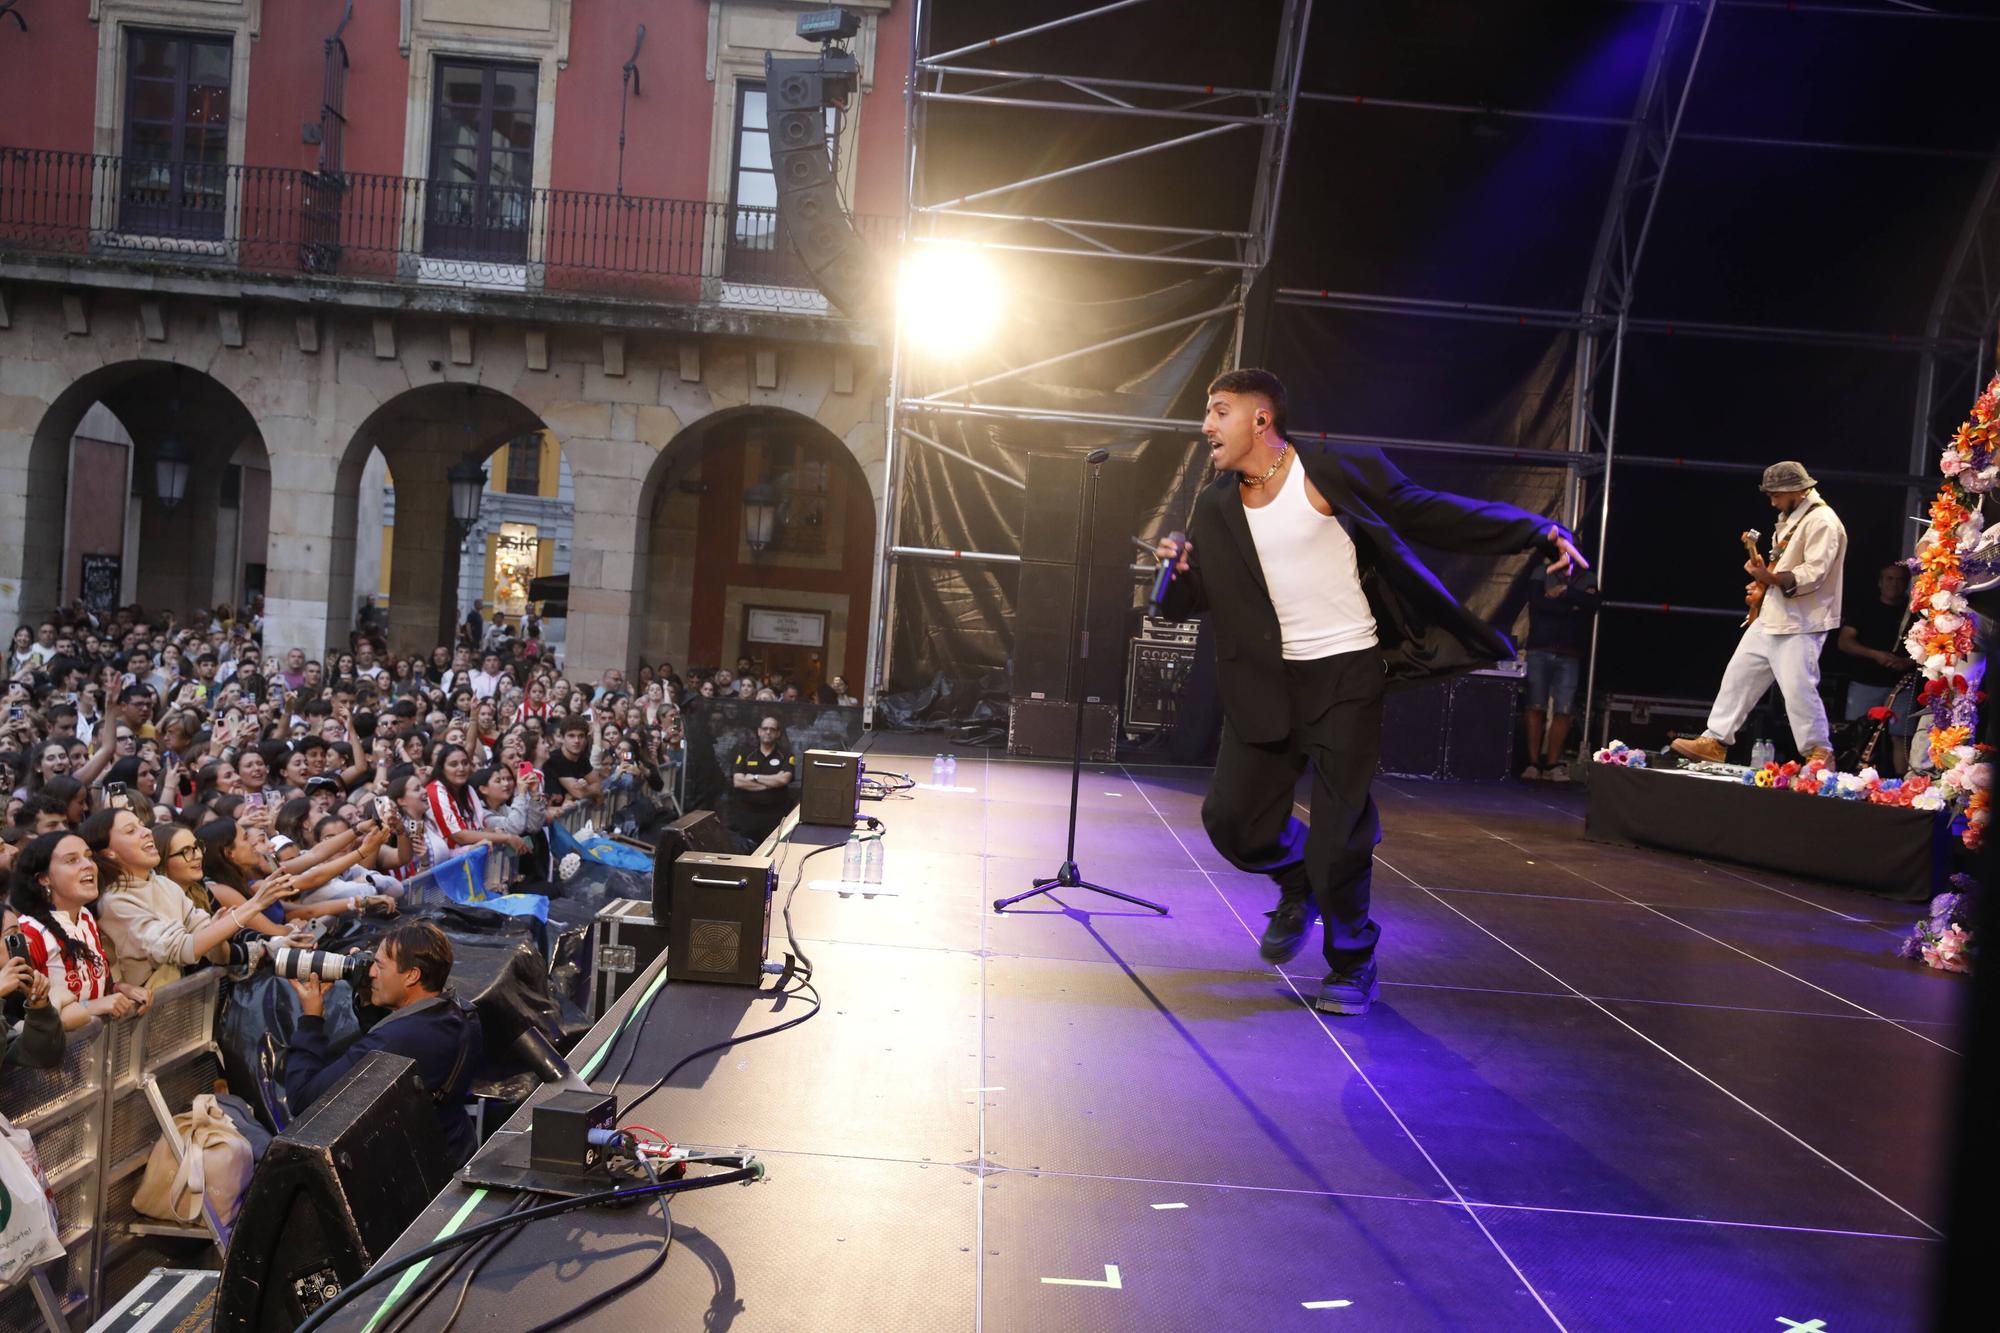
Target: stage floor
<point x="1603" y="1089"/>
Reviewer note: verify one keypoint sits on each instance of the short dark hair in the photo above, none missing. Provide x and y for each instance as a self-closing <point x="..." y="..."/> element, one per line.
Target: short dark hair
<point x="1260" y="382"/>
<point x="421" y="945"/>
<point x="574" y="722"/>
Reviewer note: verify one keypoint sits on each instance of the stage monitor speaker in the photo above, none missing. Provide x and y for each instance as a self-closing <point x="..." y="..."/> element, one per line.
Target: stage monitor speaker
<point x="720" y="927"/>
<point x="829" y="787"/>
<point x="812" y="221"/>
<point x="331" y="1195"/>
<point x="701" y="831"/>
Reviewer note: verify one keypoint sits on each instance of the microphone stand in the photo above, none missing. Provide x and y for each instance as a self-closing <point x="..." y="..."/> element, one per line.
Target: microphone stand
<point x="1068" y="877"/>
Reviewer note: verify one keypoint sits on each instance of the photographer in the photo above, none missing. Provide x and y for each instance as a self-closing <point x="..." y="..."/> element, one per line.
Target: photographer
<point x="424" y="1023"/>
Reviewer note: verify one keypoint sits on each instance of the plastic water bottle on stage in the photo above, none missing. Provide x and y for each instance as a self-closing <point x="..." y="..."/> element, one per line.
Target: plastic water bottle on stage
<point x="850" y="861"/>
<point x="1762" y="753"/>
<point x="951" y="770"/>
<point x="871" y="861"/>
<point x="937" y="770"/>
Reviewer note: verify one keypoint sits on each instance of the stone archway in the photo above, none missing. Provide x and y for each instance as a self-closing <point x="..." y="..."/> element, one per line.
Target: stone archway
<point x="421" y="434"/>
<point x="92" y="490"/>
<point x="701" y="586"/>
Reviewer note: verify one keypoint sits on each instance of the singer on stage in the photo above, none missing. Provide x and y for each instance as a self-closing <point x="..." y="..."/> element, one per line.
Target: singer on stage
<point x="1298" y="552"/>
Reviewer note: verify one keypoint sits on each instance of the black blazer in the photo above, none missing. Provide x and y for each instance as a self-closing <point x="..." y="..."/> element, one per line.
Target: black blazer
<point x="1422" y="630"/>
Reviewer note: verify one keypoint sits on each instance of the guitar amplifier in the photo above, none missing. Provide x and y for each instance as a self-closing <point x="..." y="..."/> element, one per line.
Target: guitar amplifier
<point x="1155" y="674"/>
<point x="626" y="941"/>
<point x="1046" y="729"/>
<point x="830" y="787"/>
<point x="720" y="924"/>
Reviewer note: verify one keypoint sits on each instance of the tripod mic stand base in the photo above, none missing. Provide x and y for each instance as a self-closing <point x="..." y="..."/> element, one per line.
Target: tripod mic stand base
<point x="1070" y="878"/>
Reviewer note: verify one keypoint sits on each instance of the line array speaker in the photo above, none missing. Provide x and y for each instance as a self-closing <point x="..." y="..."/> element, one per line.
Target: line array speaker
<point x="811" y="217"/>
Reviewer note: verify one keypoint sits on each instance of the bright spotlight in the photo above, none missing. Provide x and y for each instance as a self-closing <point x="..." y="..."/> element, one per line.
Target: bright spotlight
<point x="950" y="300"/>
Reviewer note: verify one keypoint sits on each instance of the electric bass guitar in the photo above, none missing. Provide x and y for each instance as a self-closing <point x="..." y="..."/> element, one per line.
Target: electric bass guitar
<point x="1754" y="598"/>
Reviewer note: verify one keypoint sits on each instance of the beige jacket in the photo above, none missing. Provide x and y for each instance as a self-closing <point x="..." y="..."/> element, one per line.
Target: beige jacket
<point x="148" y="923"/>
<point x="1814" y="555"/>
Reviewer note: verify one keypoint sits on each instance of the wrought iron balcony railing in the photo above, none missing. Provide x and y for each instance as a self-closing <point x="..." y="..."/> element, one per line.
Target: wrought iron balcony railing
<point x="401" y="228"/>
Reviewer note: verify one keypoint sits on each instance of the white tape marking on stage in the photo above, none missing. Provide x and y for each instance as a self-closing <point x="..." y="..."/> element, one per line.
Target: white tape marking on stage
<point x="1804" y="1325"/>
<point x="986" y="1089"/>
<point x="1326" y="1305"/>
<point x="1160" y="1206"/>
<point x="1111" y="1280"/>
<point x="927" y="786"/>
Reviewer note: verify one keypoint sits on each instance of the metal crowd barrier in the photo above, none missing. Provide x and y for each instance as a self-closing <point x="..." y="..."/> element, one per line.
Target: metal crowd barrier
<point x="94" y="1119"/>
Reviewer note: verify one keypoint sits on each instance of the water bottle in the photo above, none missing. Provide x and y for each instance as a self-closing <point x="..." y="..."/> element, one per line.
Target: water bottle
<point x="951" y="770"/>
<point x="1762" y="753"/>
<point x="937" y="770"/>
<point x="850" y="861"/>
<point x="871" y="860"/>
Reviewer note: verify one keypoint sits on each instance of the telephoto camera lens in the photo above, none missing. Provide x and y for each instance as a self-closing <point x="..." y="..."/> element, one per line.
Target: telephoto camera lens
<point x="300" y="963"/>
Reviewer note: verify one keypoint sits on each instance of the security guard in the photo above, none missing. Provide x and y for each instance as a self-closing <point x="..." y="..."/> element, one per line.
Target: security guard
<point x="763" y="780"/>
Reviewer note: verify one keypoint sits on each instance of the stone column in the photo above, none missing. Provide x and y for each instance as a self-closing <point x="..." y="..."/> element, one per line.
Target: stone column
<point x="608" y="476"/>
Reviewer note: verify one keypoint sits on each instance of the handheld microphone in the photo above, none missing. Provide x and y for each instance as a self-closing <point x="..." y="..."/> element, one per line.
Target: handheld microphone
<point x="1166" y="574"/>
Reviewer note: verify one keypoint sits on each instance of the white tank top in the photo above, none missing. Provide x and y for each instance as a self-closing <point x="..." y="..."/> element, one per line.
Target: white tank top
<point x="1310" y="568"/>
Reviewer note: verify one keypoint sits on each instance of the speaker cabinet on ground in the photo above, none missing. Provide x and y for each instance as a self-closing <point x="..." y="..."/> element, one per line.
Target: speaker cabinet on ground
<point x="1046" y="601"/>
<point x="701" y="831"/>
<point x="1055" y="506"/>
<point x="331" y="1194"/>
<point x="1460" y="730"/>
<point x="829" y="787"/>
<point x="720" y="926"/>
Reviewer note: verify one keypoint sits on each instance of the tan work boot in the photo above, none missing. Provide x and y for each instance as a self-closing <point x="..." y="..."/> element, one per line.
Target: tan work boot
<point x="1705" y="748"/>
<point x="1822" y="754"/>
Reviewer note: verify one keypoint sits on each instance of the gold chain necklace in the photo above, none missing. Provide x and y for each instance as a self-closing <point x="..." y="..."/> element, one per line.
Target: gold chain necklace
<point x="1283" y="451"/>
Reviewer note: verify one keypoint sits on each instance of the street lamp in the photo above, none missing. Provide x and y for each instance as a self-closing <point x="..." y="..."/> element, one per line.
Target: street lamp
<point x="760" y="516"/>
<point x="468" y="488"/>
<point x="172" y="462"/>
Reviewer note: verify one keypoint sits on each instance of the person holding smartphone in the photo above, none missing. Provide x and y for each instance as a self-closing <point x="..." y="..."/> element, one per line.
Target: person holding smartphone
<point x="35" y="1039"/>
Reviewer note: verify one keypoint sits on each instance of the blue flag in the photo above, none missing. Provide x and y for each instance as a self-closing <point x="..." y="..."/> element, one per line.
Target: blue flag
<point x="462" y="880"/>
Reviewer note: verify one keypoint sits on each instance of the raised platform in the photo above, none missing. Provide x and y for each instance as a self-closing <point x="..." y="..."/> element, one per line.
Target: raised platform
<point x="1890" y="850"/>
<point x="1595" y="1093"/>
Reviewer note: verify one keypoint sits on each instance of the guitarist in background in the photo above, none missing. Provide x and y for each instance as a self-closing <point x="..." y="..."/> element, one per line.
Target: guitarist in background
<point x="1795" y="603"/>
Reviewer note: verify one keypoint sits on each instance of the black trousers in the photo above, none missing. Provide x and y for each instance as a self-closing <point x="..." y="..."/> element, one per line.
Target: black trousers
<point x="753" y="823"/>
<point x="1336" y="708"/>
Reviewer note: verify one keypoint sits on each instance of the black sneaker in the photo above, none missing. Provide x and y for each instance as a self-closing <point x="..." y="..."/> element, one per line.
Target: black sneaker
<point x="1287" y="932"/>
<point x="1349" y="992"/>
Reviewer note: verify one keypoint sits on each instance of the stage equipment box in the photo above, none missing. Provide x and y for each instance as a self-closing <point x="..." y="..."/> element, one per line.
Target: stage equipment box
<point x="1885" y="849"/>
<point x="1459" y="730"/>
<point x="830" y="787"/>
<point x="1046" y="729"/>
<point x="720" y="930"/>
<point x="628" y="939"/>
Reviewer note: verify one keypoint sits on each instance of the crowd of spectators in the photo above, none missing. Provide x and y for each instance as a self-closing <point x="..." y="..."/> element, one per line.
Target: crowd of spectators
<point x="171" y="788"/>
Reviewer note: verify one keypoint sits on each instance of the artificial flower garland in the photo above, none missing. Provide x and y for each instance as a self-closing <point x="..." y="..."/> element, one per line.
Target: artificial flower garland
<point x="1940" y="638"/>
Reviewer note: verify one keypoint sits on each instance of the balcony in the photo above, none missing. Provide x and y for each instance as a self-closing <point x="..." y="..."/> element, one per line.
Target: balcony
<point x="277" y="221"/>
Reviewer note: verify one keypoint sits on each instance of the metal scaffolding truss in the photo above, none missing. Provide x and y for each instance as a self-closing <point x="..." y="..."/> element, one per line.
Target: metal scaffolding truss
<point x="993" y="218"/>
<point x="1955" y="348"/>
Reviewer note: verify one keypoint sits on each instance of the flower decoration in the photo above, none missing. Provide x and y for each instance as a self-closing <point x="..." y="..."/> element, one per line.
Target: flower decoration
<point x="1618" y="752"/>
<point x="1944" y="938"/>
